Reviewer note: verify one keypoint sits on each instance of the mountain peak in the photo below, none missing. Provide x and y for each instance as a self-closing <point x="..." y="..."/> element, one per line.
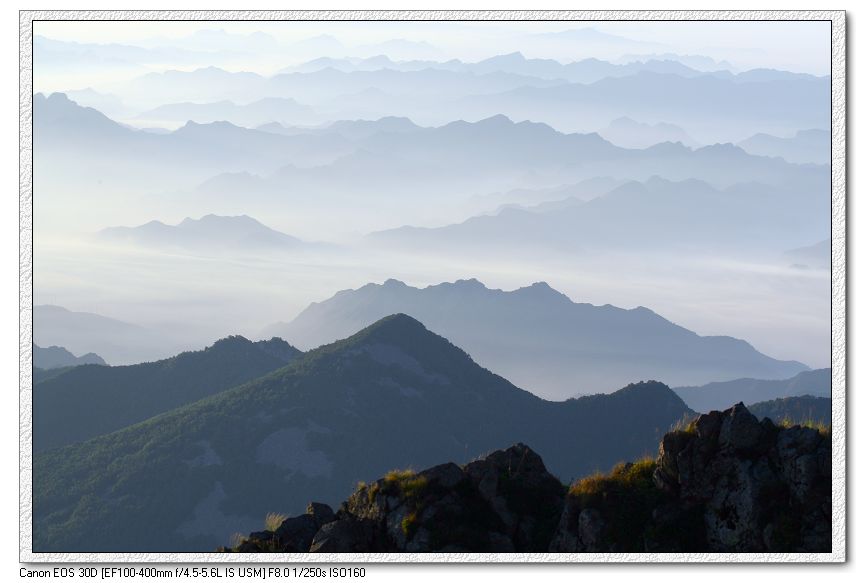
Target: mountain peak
<point x="496" y="120"/>
<point x="399" y="327"/>
<point x="471" y="283"/>
<point x="394" y="283"/>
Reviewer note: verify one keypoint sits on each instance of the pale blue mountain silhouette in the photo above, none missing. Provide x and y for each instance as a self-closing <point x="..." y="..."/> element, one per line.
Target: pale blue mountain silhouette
<point x="211" y="233"/>
<point x="723" y="395"/>
<point x="540" y="339"/>
<point x="806" y="146"/>
<point x="50" y="357"/>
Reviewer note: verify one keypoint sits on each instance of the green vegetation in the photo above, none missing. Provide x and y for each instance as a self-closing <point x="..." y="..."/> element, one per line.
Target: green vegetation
<point x="819" y="426"/>
<point x="83" y="402"/>
<point x="409" y="524"/>
<point x="687" y="424"/>
<point x="626" y="497"/>
<point x="345" y="408"/>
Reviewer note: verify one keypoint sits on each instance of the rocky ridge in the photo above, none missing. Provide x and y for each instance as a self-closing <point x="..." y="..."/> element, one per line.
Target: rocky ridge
<point x="724" y="483"/>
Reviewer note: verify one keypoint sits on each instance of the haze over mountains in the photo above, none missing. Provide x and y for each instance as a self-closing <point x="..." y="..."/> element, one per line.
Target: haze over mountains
<point x="209" y="233"/>
<point x="718" y="395"/>
<point x="48" y="357"/>
<point x="537" y="337"/>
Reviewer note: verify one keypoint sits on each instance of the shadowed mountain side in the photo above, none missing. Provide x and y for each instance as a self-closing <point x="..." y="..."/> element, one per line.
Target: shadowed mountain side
<point x="209" y="233"/>
<point x="540" y="339"/>
<point x="720" y="395"/>
<point x="659" y="214"/>
<point x="87" y="401"/>
<point x="726" y="482"/>
<point x="58" y="357"/>
<point x="392" y="395"/>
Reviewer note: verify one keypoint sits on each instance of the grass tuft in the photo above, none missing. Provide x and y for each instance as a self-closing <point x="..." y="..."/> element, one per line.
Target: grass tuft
<point x="274" y="520"/>
<point x="819" y="426"/>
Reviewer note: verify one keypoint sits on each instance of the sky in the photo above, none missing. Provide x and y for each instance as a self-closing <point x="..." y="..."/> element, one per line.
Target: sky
<point x="798" y="46"/>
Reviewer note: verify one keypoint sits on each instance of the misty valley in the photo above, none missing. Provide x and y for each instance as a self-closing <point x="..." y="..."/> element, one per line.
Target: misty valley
<point x="311" y="287"/>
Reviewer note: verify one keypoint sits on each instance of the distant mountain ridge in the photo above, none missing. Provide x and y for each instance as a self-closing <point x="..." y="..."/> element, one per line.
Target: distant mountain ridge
<point x="48" y="357"/>
<point x="87" y="401"/>
<point x="658" y="214"/>
<point x="79" y="332"/>
<point x="798" y="410"/>
<point x="209" y="233"/>
<point x="719" y="395"/>
<point x="538" y="338"/>
<point x="804" y="147"/>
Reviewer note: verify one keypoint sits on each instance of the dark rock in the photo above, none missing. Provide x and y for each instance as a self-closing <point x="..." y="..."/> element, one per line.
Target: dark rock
<point x="739" y="429"/>
<point x="347" y="535"/>
<point x="320" y="512"/>
<point x="729" y="483"/>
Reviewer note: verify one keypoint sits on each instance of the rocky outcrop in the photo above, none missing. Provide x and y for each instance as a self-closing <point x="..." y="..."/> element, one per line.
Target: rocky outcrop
<point x="725" y="483"/>
<point x="294" y="535"/>
<point x="504" y="502"/>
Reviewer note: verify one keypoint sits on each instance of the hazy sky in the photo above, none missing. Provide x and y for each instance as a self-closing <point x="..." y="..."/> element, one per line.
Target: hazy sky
<point x="796" y="46"/>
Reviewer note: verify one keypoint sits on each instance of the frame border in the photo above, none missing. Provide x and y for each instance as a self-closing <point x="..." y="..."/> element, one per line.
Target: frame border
<point x="837" y="19"/>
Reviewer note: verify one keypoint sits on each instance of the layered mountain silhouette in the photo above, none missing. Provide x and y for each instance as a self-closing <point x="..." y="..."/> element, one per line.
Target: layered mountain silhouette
<point x="116" y="341"/>
<point x="392" y="395"/>
<point x="209" y="233"/>
<point x="711" y="108"/>
<point x="48" y="357"/>
<point x="804" y="147"/>
<point x="801" y="410"/>
<point x="282" y="110"/>
<point x="816" y="256"/>
<point x="658" y="214"/>
<point x="86" y="401"/>
<point x="61" y="126"/>
<point x="629" y="133"/>
<point x="582" y="71"/>
<point x="720" y="395"/>
<point x="539" y="339"/>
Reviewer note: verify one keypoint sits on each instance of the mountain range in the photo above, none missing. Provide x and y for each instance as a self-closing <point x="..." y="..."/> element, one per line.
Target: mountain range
<point x="393" y="395"/>
<point x="116" y="341"/>
<point x="720" y="395"/>
<point x="538" y="338"/>
<point x="712" y="109"/>
<point x="58" y="357"/>
<point x="816" y="256"/>
<point x="210" y="233"/>
<point x="804" y="147"/>
<point x="86" y="401"/>
<point x="283" y="110"/>
<point x="628" y="133"/>
<point x="801" y="410"/>
<point x="658" y="214"/>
